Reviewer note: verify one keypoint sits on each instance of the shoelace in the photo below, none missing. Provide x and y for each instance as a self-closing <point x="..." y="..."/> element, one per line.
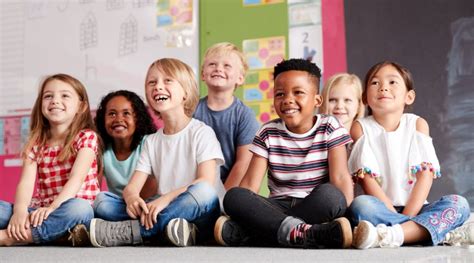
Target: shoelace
<point x="119" y="232"/>
<point x="385" y="237"/>
<point x="463" y="235"/>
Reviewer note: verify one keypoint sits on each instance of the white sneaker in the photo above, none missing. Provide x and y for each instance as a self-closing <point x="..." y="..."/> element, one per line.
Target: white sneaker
<point x="366" y="235"/>
<point x="461" y="236"/>
<point x="181" y="233"/>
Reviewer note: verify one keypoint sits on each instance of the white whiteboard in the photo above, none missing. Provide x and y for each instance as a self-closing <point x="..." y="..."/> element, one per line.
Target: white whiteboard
<point x="106" y="44"/>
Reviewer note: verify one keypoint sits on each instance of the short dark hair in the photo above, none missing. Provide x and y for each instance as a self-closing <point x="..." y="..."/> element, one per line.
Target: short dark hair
<point x="143" y="121"/>
<point x="300" y="65"/>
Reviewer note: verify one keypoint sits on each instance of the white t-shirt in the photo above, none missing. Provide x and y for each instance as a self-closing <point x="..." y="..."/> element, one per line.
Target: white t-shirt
<point x="173" y="159"/>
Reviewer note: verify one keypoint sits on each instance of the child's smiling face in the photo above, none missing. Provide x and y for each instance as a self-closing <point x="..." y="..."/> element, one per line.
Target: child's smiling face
<point x="295" y="99"/>
<point x="222" y="71"/>
<point x="120" y="118"/>
<point x="343" y="102"/>
<point x="164" y="93"/>
<point x="387" y="92"/>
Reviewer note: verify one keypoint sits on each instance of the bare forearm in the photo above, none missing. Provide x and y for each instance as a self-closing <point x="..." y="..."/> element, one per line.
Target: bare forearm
<point x="347" y="188"/>
<point x="419" y="194"/>
<point x="371" y="187"/>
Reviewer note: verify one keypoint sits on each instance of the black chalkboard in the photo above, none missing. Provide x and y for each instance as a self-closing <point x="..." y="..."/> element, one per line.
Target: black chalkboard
<point x="434" y="39"/>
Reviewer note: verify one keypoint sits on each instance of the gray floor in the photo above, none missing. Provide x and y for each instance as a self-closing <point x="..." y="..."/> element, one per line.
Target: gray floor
<point x="437" y="254"/>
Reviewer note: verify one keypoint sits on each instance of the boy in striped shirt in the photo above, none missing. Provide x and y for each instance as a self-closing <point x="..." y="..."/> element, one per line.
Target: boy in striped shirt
<point x="305" y="158"/>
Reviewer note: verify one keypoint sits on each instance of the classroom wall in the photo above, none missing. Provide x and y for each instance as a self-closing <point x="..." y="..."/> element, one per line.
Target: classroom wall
<point x="434" y="39"/>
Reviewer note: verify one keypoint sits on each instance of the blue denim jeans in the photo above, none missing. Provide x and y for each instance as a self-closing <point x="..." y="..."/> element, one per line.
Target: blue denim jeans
<point x="438" y="218"/>
<point x="199" y="204"/>
<point x="72" y="212"/>
<point x="110" y="207"/>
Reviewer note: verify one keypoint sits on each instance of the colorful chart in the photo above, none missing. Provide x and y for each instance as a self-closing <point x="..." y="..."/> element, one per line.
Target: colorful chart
<point x="257" y="92"/>
<point x="260" y="2"/>
<point x="174" y="13"/>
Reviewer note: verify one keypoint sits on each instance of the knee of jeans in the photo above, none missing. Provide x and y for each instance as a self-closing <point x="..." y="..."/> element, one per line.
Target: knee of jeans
<point x="203" y="193"/>
<point x="233" y="195"/>
<point x="362" y="204"/>
<point x="79" y="209"/>
<point x="461" y="204"/>
<point x="6" y="211"/>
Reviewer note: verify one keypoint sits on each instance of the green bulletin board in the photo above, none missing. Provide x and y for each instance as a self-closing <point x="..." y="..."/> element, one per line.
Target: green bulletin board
<point x="232" y="21"/>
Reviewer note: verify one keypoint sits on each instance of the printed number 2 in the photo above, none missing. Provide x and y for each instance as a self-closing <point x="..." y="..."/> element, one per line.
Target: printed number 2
<point x="305" y="37"/>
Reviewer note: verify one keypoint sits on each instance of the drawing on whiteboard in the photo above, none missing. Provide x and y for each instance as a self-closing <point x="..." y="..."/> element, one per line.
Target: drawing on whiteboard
<point x="459" y="118"/>
<point x="36" y="10"/>
<point x="90" y="70"/>
<point x="88" y="32"/>
<point x="62" y="6"/>
<point x="142" y="3"/>
<point x="115" y="4"/>
<point x="128" y="37"/>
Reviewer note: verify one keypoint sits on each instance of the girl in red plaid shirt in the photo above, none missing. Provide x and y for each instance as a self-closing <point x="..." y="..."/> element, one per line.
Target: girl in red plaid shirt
<point x="61" y="156"/>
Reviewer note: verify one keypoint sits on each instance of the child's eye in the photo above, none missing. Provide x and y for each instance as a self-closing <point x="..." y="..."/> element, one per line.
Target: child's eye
<point x="227" y="66"/>
<point x="127" y="113"/>
<point x="393" y="82"/>
<point x="374" y="82"/>
<point x="47" y="96"/>
<point x="65" y="96"/>
<point x="168" y="80"/>
<point x="279" y="94"/>
<point x="152" y="82"/>
<point x="299" y="92"/>
<point x="332" y="100"/>
<point x="347" y="100"/>
<point x="212" y="64"/>
<point x="111" y="114"/>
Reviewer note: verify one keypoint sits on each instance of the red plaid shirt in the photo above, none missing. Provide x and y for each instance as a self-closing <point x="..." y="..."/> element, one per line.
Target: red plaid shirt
<point x="52" y="175"/>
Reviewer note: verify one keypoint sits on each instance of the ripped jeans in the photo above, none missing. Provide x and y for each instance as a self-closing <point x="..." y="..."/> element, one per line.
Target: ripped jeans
<point x="439" y="217"/>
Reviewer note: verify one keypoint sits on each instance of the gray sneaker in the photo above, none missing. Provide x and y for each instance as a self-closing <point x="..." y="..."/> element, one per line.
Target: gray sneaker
<point x="461" y="236"/>
<point x="109" y="234"/>
<point x="181" y="233"/>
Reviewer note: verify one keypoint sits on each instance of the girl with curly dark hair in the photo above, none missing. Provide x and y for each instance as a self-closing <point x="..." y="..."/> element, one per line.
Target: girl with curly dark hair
<point x="123" y="122"/>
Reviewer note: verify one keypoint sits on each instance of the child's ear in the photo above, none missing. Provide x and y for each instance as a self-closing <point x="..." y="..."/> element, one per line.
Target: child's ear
<point x="241" y="79"/>
<point x="410" y="97"/>
<point x="319" y="100"/>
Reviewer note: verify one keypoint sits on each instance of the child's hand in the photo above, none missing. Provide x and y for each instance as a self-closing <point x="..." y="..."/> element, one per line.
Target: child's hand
<point x="39" y="215"/>
<point x="155" y="207"/>
<point x="19" y="224"/>
<point x="136" y="206"/>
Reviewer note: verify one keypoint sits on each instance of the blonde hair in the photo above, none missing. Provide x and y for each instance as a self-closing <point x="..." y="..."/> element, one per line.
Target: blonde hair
<point x="337" y="79"/>
<point x="183" y="73"/>
<point x="225" y="48"/>
<point x="40" y="128"/>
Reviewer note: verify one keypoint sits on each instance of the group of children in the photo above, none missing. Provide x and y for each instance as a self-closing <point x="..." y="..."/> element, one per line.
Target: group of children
<point x="197" y="178"/>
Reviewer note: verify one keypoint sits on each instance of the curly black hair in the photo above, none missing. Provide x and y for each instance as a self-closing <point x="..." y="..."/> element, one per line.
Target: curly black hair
<point x="143" y="120"/>
<point x="300" y="65"/>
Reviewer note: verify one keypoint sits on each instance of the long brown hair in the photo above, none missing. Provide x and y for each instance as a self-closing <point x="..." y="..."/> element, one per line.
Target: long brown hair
<point x="40" y="128"/>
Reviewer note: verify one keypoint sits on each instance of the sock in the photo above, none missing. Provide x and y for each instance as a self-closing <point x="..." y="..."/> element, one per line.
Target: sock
<point x="297" y="233"/>
<point x="397" y="233"/>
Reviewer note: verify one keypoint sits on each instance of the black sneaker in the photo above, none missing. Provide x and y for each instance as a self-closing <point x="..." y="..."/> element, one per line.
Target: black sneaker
<point x="229" y="233"/>
<point x="335" y="234"/>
